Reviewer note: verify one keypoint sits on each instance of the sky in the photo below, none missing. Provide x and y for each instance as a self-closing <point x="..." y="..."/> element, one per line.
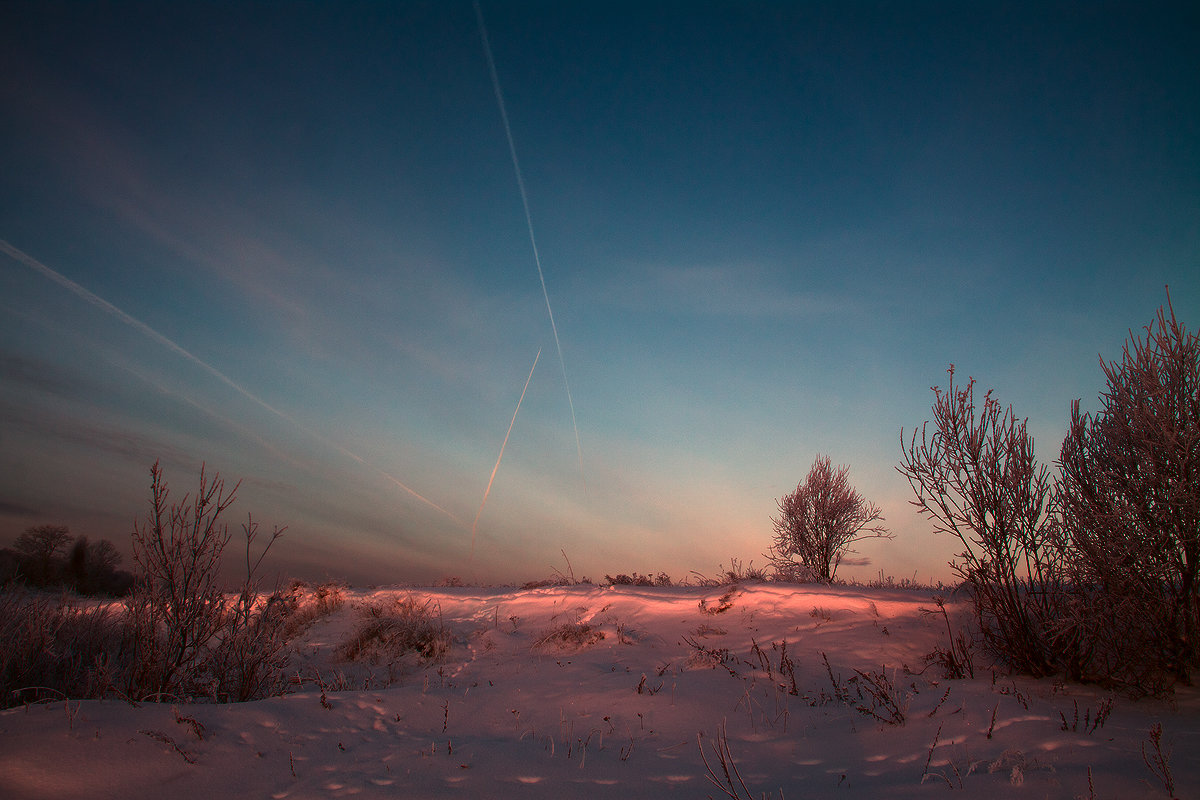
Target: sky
<point x="288" y="241"/>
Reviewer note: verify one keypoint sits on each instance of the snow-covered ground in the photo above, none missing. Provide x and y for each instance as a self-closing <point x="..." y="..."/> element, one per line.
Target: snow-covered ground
<point x="511" y="712"/>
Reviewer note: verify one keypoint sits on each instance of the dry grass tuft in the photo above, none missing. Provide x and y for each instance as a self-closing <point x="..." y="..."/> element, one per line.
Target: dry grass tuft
<point x="389" y="632"/>
<point x="568" y="637"/>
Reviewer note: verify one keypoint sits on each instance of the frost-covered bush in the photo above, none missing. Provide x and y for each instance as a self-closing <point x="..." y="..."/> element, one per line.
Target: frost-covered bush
<point x="975" y="475"/>
<point x="1094" y="572"/>
<point x="1130" y="509"/>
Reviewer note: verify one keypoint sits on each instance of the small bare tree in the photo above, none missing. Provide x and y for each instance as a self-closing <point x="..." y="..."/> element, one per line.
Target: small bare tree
<point x="819" y="521"/>
<point x="176" y="606"/>
<point x="1130" y="504"/>
<point x="186" y="637"/>
<point x="976" y="477"/>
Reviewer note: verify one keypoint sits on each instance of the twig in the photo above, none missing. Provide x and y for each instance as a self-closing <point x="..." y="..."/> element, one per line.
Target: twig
<point x="728" y="766"/>
<point x="162" y="737"/>
<point x="929" y="758"/>
<point x="1158" y="762"/>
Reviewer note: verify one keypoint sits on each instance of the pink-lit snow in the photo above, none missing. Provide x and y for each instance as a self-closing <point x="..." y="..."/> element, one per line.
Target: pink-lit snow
<point x="624" y="716"/>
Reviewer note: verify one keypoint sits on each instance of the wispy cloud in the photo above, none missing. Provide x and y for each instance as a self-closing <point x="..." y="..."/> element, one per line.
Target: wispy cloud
<point x="162" y="340"/>
<point x="43" y="377"/>
<point x="118" y="440"/>
<point x="18" y="510"/>
<point x="733" y="290"/>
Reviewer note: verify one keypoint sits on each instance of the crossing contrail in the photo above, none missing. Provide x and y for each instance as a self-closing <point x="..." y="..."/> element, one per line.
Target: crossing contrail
<point x="512" y="151"/>
<point x="155" y="336"/>
<point x="502" y="446"/>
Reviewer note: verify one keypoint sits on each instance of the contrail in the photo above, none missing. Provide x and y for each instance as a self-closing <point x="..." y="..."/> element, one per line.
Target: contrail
<point x="502" y="446"/>
<point x="512" y="151"/>
<point x="155" y="336"/>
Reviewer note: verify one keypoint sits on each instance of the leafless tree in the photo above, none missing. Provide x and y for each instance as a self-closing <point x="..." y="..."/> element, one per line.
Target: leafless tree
<point x="819" y="521"/>
<point x="42" y="546"/>
<point x="1130" y="504"/>
<point x="103" y="556"/>
<point x="976" y="477"/>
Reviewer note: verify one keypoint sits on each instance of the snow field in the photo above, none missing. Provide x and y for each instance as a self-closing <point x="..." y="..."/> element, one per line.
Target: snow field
<point x="586" y="691"/>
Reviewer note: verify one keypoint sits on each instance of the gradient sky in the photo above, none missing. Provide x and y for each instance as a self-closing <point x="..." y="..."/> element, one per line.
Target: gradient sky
<point x="287" y="240"/>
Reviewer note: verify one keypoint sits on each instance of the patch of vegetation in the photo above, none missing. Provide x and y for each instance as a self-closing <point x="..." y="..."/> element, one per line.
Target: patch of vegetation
<point x="56" y="647"/>
<point x="637" y="579"/>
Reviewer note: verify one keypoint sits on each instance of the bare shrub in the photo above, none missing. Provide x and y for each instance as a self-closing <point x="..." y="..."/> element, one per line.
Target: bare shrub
<point x="870" y="693"/>
<point x="386" y="633"/>
<point x="176" y="635"/>
<point x="788" y="571"/>
<point x="881" y="698"/>
<point x="176" y="606"/>
<point x="729" y="779"/>
<point x="247" y="661"/>
<point x="957" y="661"/>
<point x="1130" y="504"/>
<point x="820" y="520"/>
<point x="735" y="573"/>
<point x="723" y="604"/>
<point x="184" y="638"/>
<point x="976" y="477"/>
<point x="1158" y="759"/>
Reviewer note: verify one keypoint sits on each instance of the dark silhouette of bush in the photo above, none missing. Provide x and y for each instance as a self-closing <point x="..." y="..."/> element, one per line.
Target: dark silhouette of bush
<point x="10" y="566"/>
<point x="177" y="636"/>
<point x="45" y="557"/>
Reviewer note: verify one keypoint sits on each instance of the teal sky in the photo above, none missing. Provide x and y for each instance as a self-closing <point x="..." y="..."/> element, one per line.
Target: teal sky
<point x="287" y="240"/>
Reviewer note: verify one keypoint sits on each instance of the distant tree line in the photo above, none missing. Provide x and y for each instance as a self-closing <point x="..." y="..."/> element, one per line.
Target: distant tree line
<point x="48" y="557"/>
